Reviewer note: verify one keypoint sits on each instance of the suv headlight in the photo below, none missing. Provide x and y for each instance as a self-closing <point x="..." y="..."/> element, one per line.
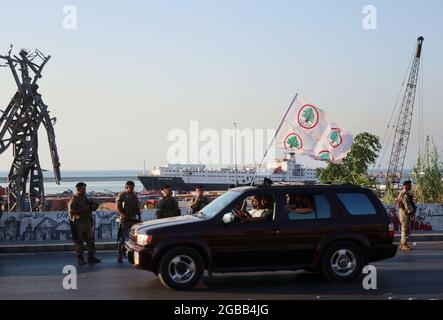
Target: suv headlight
<point x="143" y="239"/>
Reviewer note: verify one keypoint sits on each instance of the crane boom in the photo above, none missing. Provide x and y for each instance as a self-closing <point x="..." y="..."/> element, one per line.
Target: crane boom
<point x="404" y="123"/>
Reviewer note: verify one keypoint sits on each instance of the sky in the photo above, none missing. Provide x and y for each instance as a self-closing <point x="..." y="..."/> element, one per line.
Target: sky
<point x="134" y="70"/>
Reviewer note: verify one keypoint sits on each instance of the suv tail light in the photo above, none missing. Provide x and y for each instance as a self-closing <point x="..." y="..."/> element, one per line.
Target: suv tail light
<point x="391" y="231"/>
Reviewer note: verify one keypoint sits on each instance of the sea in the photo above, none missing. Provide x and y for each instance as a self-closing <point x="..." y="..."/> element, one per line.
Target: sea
<point x="106" y="181"/>
<point x="103" y="181"/>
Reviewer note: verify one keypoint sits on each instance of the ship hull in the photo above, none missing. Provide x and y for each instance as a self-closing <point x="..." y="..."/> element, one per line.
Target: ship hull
<point x="177" y="183"/>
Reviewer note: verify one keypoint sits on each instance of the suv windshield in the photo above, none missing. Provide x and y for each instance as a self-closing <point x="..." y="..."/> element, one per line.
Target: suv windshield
<point x="217" y="205"/>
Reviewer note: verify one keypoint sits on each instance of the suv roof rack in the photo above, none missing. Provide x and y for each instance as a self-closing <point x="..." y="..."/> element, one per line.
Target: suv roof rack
<point x="301" y="184"/>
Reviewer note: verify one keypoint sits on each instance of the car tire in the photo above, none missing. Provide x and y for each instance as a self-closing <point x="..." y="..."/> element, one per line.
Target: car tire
<point x="342" y="261"/>
<point x="181" y="268"/>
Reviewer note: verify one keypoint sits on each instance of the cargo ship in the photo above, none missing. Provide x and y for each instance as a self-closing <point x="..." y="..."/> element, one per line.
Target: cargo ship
<point x="185" y="178"/>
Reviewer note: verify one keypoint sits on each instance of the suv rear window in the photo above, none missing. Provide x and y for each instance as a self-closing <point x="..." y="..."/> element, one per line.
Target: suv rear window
<point x="357" y="204"/>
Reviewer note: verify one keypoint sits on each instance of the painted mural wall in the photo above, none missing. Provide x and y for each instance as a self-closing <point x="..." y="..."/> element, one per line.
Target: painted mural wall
<point x="429" y="217"/>
<point x="46" y="226"/>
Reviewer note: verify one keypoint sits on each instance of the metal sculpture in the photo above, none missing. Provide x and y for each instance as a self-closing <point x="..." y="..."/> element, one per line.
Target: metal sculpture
<point x="19" y="125"/>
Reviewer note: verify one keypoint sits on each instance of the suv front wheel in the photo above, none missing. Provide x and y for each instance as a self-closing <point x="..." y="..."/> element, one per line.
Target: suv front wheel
<point x="342" y="261"/>
<point x="181" y="268"/>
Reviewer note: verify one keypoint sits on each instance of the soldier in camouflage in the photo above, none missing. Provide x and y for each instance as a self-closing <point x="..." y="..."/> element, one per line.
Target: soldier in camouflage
<point x="129" y="210"/>
<point x="199" y="202"/>
<point x="80" y="215"/>
<point x="408" y="209"/>
<point x="1" y="206"/>
<point x="167" y="206"/>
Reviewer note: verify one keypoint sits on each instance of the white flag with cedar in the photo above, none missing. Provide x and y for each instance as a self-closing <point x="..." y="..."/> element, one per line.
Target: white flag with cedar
<point x="306" y="130"/>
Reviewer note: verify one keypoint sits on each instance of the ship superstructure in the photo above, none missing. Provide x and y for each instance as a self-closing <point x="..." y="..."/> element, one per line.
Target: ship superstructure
<point x="186" y="177"/>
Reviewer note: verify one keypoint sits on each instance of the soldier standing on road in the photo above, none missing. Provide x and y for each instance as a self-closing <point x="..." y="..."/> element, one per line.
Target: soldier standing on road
<point x="408" y="209"/>
<point x="199" y="202"/>
<point x="267" y="182"/>
<point x="80" y="214"/>
<point x="129" y="209"/>
<point x="167" y="206"/>
<point x="1" y="206"/>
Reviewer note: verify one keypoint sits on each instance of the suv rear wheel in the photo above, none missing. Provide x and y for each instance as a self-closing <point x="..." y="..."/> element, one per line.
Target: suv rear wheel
<point x="342" y="261"/>
<point x="181" y="268"/>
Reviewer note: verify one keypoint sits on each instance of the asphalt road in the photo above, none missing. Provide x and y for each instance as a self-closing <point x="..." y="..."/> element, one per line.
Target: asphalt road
<point x="416" y="275"/>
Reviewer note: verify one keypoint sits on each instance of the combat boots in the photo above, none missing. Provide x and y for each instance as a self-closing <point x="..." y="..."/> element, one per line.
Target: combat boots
<point x="93" y="260"/>
<point x="81" y="261"/>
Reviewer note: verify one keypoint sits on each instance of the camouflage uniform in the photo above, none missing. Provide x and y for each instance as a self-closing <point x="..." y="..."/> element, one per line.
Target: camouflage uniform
<point x="1" y="206"/>
<point x="83" y="230"/>
<point x="167" y="207"/>
<point x="407" y="212"/>
<point x="199" y="203"/>
<point x="129" y="209"/>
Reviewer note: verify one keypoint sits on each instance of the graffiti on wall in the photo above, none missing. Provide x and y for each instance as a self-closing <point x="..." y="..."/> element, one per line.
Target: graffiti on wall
<point x="429" y="217"/>
<point x="54" y="225"/>
<point x="44" y="226"/>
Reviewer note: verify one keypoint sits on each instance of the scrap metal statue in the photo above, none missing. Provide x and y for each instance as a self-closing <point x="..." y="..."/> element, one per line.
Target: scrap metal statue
<point x="19" y="124"/>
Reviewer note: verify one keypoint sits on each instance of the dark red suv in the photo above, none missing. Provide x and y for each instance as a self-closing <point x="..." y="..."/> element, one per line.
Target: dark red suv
<point x="336" y="230"/>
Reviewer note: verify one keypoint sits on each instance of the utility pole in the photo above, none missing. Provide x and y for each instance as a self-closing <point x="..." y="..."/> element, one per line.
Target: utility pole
<point x="404" y="123"/>
<point x="235" y="154"/>
<point x="427" y="149"/>
<point x="19" y="124"/>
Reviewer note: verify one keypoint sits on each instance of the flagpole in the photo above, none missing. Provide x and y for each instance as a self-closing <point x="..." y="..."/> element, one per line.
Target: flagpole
<point x="235" y="154"/>
<point x="275" y="137"/>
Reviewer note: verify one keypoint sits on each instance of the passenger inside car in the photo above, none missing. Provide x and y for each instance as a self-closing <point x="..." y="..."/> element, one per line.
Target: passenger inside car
<point x="256" y="205"/>
<point x="299" y="206"/>
<point x="305" y="204"/>
<point x="262" y="209"/>
<point x="266" y="206"/>
<point x="291" y="203"/>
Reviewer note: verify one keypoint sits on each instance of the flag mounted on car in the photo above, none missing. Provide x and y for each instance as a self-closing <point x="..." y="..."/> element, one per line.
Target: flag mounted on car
<point x="306" y="130"/>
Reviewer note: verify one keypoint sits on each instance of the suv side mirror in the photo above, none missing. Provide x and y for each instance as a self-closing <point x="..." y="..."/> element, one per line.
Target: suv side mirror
<point x="228" y="218"/>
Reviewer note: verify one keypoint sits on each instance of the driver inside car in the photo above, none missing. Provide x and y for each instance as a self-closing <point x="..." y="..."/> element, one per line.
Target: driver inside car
<point x="256" y="205"/>
<point x="262" y="211"/>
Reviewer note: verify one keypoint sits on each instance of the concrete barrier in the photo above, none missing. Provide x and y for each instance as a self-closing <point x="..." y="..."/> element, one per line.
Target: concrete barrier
<point x="54" y="226"/>
<point x="429" y="217"/>
<point x="32" y="227"/>
<point x="45" y="226"/>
